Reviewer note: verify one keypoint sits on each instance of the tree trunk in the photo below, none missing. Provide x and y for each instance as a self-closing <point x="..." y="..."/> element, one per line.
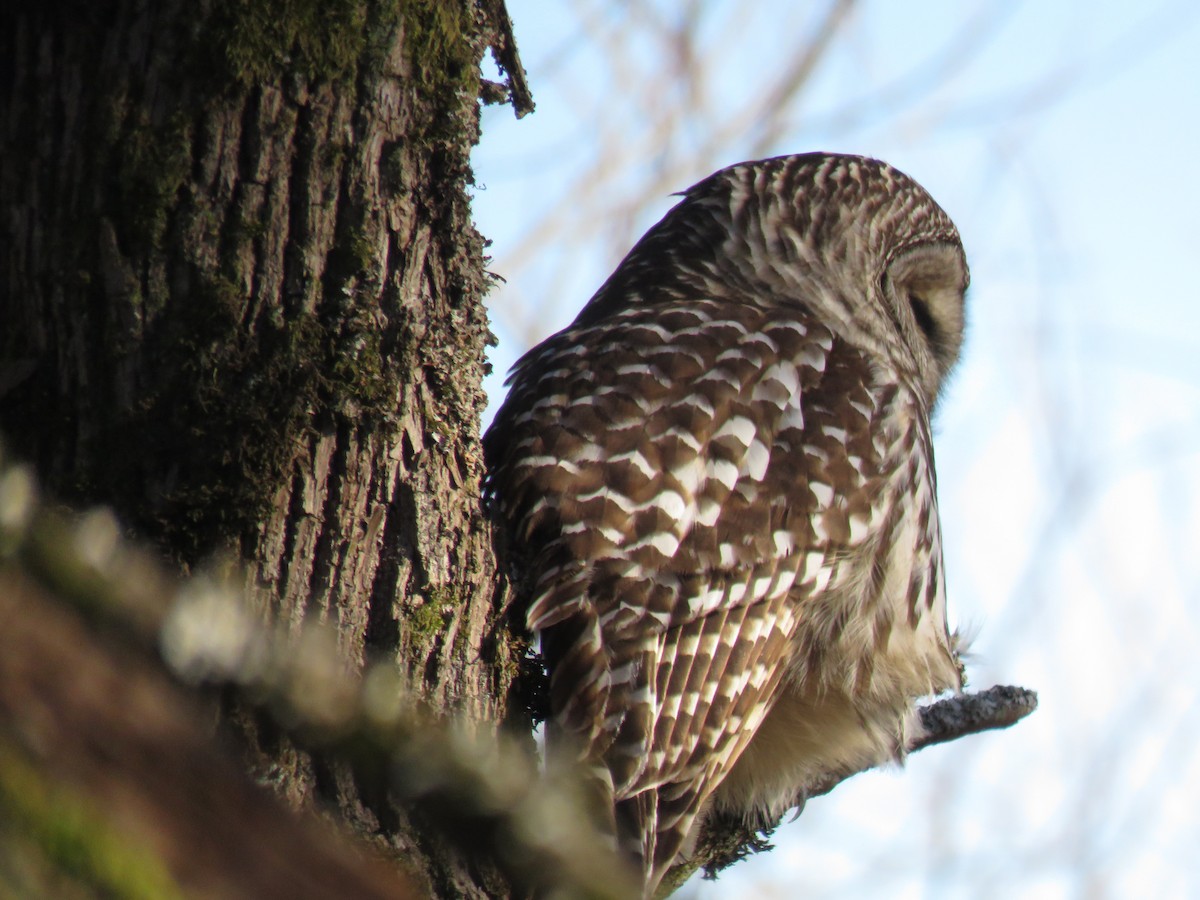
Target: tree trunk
<point x="241" y="299"/>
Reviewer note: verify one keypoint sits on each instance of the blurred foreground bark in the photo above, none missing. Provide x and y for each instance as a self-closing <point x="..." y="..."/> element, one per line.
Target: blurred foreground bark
<point x="111" y="784"/>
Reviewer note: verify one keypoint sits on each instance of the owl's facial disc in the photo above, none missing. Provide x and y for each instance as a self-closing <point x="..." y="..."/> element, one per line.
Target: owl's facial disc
<point x="926" y="284"/>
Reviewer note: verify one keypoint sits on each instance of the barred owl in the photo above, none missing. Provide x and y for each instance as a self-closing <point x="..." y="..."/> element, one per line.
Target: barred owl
<point x="719" y="487"/>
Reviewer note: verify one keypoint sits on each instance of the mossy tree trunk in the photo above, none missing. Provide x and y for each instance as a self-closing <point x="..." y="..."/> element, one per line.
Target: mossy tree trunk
<point x="241" y="303"/>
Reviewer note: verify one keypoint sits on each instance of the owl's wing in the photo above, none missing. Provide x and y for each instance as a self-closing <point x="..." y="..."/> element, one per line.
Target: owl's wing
<point x="690" y="477"/>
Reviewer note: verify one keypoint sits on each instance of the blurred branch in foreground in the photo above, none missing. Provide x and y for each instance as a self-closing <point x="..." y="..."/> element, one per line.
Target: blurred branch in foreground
<point x="112" y="784"/>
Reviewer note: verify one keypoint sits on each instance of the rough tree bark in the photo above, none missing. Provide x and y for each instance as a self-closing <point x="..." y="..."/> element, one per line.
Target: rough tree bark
<point x="241" y="299"/>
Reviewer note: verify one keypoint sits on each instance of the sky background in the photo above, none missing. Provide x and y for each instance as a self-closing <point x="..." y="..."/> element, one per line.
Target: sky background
<point x="1064" y="140"/>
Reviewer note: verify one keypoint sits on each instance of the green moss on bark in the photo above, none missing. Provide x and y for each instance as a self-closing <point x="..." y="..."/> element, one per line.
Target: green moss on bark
<point x="438" y="42"/>
<point x="264" y="40"/>
<point x="428" y="621"/>
<point x="154" y="163"/>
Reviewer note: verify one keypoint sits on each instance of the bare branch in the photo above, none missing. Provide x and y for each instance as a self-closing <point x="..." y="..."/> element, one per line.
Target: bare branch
<point x="504" y="49"/>
<point x="963" y="714"/>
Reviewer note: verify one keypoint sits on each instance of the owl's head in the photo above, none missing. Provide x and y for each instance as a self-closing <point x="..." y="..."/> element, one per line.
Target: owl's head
<point x="861" y="240"/>
<point x="923" y="288"/>
<point x="849" y="238"/>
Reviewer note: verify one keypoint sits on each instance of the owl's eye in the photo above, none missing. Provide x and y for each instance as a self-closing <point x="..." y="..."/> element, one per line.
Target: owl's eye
<point x="923" y="316"/>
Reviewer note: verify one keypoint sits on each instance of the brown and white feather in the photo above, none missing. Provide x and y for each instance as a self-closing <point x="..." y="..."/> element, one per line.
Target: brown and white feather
<point x="720" y="482"/>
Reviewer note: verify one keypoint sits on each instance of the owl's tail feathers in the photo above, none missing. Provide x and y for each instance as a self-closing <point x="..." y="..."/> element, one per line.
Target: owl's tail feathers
<point x="637" y="834"/>
<point x="654" y="826"/>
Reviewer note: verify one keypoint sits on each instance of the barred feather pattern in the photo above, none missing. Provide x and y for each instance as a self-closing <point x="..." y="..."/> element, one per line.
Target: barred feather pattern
<point x="719" y="487"/>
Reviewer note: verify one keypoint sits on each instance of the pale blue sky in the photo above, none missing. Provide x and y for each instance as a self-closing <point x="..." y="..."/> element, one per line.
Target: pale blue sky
<point x="1063" y="138"/>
